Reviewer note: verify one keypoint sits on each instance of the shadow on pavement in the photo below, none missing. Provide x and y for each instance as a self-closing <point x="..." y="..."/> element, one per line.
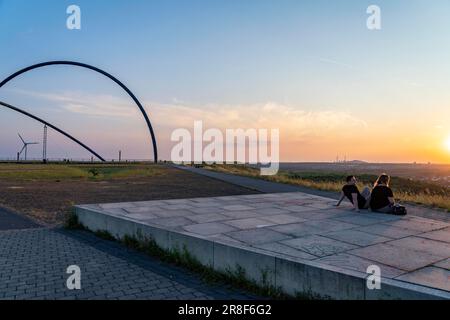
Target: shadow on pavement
<point x="12" y="221"/>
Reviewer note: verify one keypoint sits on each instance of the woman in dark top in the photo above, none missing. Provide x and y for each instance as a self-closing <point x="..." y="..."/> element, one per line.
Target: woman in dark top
<point x="360" y="200"/>
<point x="382" y="199"/>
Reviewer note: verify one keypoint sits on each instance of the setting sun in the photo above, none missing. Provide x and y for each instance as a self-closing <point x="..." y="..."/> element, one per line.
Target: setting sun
<point x="447" y="143"/>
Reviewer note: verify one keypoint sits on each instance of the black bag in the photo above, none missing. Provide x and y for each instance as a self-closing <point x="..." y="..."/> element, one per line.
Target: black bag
<point x="399" y="210"/>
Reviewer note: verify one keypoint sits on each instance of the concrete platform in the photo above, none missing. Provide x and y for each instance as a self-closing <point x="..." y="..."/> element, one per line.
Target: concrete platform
<point x="295" y="241"/>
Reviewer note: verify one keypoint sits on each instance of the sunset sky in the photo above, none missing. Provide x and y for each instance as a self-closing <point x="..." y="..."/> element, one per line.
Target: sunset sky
<point x="312" y="69"/>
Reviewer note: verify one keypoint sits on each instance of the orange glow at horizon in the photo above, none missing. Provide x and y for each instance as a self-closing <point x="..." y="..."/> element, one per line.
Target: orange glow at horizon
<point x="447" y="143"/>
<point x="402" y="146"/>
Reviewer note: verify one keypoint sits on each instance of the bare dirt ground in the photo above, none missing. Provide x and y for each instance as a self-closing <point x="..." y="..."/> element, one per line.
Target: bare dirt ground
<point x="49" y="201"/>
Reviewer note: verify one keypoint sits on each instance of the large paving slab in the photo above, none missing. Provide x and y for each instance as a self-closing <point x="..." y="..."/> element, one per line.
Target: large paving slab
<point x="445" y="264"/>
<point x="440" y="235"/>
<point x="430" y="276"/>
<point x="357" y="237"/>
<point x="396" y="256"/>
<point x="359" y="264"/>
<point x="319" y="246"/>
<point x="296" y="241"/>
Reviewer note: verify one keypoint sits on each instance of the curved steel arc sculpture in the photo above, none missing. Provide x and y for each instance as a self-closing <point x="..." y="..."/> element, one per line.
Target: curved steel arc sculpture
<point x="86" y="66"/>
<point x="53" y="127"/>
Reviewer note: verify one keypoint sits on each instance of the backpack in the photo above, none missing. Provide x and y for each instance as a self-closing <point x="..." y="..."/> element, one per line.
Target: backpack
<point x="399" y="210"/>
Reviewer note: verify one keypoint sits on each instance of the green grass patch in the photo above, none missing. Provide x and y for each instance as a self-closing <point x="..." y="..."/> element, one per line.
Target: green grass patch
<point x="105" y="235"/>
<point x="63" y="172"/>
<point x="120" y="172"/>
<point x="40" y="171"/>
<point x="72" y="222"/>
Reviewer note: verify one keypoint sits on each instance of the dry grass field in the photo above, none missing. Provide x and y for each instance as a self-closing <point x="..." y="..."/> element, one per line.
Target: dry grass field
<point x="405" y="189"/>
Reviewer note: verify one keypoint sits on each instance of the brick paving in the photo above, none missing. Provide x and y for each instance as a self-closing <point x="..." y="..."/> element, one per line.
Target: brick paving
<point x="33" y="264"/>
<point x="11" y="220"/>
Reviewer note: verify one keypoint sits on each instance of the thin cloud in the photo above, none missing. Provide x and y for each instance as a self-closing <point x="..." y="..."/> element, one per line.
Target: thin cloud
<point x="295" y="122"/>
<point x="89" y="104"/>
<point x="271" y="115"/>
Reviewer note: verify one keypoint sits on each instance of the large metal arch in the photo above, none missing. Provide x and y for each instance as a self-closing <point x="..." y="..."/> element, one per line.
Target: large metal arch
<point x="6" y="105"/>
<point x="86" y="66"/>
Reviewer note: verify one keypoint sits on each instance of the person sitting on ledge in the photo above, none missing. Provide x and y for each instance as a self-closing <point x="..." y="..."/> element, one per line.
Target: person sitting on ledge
<point x="360" y="200"/>
<point x="382" y="199"/>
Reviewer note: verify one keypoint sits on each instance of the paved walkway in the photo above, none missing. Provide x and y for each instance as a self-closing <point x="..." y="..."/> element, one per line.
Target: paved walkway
<point x="10" y="220"/>
<point x="249" y="183"/>
<point x="287" y="226"/>
<point x="33" y="265"/>
<point x="275" y="187"/>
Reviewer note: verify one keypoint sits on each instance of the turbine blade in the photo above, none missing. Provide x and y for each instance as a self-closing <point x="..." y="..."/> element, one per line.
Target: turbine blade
<point x="21" y="138"/>
<point x="22" y="149"/>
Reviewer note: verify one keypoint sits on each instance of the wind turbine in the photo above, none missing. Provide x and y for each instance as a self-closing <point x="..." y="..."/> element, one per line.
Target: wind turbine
<point x="25" y="146"/>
